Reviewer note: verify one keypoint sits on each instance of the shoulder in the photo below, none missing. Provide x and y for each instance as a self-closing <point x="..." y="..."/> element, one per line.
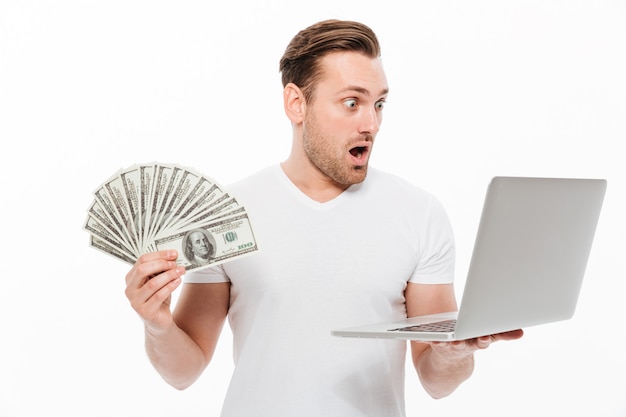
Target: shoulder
<point x="259" y="185"/>
<point x="397" y="187"/>
<point x="404" y="197"/>
<point x="262" y="177"/>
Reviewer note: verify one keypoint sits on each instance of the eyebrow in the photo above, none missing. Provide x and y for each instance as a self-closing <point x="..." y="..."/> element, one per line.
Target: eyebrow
<point x="363" y="91"/>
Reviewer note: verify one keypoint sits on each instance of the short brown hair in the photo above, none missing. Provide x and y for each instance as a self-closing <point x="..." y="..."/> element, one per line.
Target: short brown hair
<point x="300" y="62"/>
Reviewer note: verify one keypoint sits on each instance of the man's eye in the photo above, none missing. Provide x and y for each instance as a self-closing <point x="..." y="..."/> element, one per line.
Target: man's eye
<point x="350" y="103"/>
<point x="380" y="104"/>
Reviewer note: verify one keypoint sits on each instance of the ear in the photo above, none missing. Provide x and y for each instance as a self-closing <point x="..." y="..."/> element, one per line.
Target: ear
<point x="294" y="103"/>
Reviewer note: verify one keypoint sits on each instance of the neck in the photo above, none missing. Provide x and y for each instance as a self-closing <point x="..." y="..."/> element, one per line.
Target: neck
<point x="310" y="180"/>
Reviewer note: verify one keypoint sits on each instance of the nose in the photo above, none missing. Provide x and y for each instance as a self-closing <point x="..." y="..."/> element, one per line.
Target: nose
<point x="370" y="121"/>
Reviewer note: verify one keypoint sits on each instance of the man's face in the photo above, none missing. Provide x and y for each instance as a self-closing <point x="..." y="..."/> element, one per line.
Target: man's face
<point x="342" y="121"/>
<point x="199" y="244"/>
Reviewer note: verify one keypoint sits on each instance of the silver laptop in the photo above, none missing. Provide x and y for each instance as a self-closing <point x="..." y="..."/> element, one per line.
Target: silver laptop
<point x="527" y="266"/>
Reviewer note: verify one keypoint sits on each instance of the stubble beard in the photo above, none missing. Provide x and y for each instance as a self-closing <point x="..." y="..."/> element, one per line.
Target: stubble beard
<point x="317" y="148"/>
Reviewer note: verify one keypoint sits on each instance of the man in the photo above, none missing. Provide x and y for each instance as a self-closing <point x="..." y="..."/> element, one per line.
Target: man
<point x="340" y="244"/>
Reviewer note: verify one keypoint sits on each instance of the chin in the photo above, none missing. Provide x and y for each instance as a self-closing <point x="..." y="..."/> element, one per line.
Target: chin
<point x="357" y="175"/>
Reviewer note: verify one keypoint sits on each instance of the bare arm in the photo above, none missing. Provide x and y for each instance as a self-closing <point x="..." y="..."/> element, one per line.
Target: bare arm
<point x="179" y="345"/>
<point x="443" y="366"/>
<point x="439" y="374"/>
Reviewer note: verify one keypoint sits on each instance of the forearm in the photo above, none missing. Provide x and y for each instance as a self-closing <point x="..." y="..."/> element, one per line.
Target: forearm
<point x="440" y="375"/>
<point x="175" y="356"/>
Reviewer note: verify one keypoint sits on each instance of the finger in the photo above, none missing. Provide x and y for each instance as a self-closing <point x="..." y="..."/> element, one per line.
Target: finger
<point x="169" y="254"/>
<point x="140" y="288"/>
<point x="456" y="349"/>
<point x="162" y="279"/>
<point x="511" y="335"/>
<point x="483" y="342"/>
<point x="147" y="266"/>
<point x="152" y="283"/>
<point x="148" y="298"/>
<point x="158" y="290"/>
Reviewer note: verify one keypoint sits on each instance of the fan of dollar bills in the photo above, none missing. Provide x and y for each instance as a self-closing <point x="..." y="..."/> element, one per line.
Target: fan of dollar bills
<point x="151" y="207"/>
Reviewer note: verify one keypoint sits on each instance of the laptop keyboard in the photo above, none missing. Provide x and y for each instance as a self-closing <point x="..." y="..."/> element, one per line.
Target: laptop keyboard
<point x="439" y="327"/>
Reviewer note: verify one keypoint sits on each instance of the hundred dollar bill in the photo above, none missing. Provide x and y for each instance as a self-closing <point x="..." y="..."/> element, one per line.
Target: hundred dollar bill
<point x="146" y="177"/>
<point x="203" y="195"/>
<point x="171" y="177"/>
<point x="226" y="208"/>
<point x="96" y="212"/>
<point x="110" y="213"/>
<point x="104" y="234"/>
<point x="211" y="244"/>
<point x="159" y="186"/>
<point x="131" y="185"/>
<point x="179" y="187"/>
<point x="218" y="207"/>
<point x="121" y="206"/>
<point x="104" y="247"/>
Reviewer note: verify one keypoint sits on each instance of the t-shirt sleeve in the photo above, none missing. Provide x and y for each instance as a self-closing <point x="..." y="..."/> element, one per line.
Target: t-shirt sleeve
<point x="210" y="275"/>
<point x="437" y="248"/>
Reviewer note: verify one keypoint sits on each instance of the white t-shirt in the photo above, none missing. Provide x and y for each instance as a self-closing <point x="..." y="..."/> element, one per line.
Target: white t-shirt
<point x="322" y="266"/>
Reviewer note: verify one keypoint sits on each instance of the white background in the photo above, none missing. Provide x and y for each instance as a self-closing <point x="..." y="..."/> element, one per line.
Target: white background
<point x="478" y="88"/>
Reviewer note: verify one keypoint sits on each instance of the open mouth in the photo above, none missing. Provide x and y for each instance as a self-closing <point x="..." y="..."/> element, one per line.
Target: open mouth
<point x="360" y="154"/>
<point x="358" y="151"/>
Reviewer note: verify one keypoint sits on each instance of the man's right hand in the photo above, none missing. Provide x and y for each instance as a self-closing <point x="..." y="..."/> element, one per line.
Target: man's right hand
<point x="149" y="287"/>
